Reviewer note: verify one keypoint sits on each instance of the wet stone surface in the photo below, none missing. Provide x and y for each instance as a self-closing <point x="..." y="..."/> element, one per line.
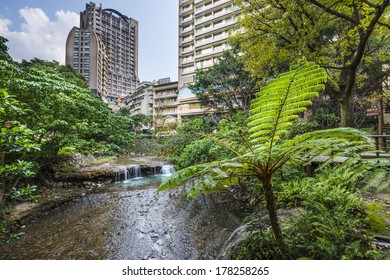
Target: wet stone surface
<point x="127" y="221"/>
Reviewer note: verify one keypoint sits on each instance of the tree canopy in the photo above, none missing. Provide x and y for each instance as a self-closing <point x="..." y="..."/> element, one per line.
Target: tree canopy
<point x="57" y="105"/>
<point x="4" y="49"/>
<point x="226" y="86"/>
<point x="341" y="36"/>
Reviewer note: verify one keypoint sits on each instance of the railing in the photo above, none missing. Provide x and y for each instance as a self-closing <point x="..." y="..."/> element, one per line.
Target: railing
<point x="382" y="142"/>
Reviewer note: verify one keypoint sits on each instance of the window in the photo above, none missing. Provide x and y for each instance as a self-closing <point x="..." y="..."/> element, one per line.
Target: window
<point x="194" y="106"/>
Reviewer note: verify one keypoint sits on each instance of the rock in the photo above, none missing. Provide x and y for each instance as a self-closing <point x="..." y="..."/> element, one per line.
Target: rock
<point x="230" y="248"/>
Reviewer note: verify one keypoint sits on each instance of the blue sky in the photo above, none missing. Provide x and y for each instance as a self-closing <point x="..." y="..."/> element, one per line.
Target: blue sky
<point x="39" y="28"/>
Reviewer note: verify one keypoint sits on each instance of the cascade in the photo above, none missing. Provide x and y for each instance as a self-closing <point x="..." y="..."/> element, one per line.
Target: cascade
<point x="118" y="174"/>
<point x="136" y="171"/>
<point x="167" y="169"/>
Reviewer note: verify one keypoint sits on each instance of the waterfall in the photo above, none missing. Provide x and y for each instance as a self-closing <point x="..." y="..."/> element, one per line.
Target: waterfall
<point x="118" y="174"/>
<point x="167" y="169"/>
<point x="135" y="171"/>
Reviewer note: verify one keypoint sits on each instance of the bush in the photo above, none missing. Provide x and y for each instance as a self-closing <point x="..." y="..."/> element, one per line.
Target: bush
<point x="333" y="223"/>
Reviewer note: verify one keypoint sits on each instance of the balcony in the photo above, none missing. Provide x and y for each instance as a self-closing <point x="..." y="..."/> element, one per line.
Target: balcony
<point x="165" y="104"/>
<point x="187" y="19"/>
<point x="216" y="51"/>
<point x="190" y="112"/>
<point x="202" y="9"/>
<point x="188" y="29"/>
<point x="186" y="9"/>
<point x="225" y="24"/>
<point x="203" y="31"/>
<point x="187" y="98"/>
<point x="165" y="96"/>
<point x="212" y="40"/>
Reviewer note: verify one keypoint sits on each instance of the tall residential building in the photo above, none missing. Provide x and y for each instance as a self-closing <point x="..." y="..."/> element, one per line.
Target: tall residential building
<point x="104" y="49"/>
<point x="204" y="27"/>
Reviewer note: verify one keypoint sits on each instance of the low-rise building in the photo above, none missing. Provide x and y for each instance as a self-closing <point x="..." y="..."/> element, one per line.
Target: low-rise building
<point x="165" y="105"/>
<point x="141" y="101"/>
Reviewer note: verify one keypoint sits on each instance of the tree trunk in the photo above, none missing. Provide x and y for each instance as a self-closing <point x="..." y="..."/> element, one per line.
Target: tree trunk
<point x="380" y="123"/>
<point x="347" y="111"/>
<point x="271" y="208"/>
<point x="2" y="179"/>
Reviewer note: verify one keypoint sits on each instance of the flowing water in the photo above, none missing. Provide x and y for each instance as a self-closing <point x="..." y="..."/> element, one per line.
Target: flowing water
<point x="129" y="220"/>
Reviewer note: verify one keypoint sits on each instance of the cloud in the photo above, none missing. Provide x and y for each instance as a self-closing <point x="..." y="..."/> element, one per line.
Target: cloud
<point x="39" y="36"/>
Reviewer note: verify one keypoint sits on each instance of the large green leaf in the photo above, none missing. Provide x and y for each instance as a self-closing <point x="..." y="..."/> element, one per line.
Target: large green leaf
<point x="277" y="104"/>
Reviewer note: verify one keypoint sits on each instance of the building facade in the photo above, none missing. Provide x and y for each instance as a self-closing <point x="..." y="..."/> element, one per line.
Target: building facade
<point x="141" y="101"/>
<point x="87" y="55"/>
<point x="165" y="104"/>
<point x="204" y="26"/>
<point x="113" y="43"/>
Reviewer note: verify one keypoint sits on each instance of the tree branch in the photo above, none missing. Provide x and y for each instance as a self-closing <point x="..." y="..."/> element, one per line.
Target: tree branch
<point x="371" y="4"/>
<point x="332" y="11"/>
<point x="384" y="24"/>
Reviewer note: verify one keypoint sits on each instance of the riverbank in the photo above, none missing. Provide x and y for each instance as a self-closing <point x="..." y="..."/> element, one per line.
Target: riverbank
<point x="128" y="219"/>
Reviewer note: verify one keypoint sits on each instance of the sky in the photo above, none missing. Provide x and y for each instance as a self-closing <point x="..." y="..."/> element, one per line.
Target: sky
<point x="39" y="28"/>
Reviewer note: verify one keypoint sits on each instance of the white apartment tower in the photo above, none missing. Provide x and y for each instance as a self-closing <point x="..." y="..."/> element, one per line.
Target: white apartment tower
<point x="105" y="34"/>
<point x="204" y="27"/>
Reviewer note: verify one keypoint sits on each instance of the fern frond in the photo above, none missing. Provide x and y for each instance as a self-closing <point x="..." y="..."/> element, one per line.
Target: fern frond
<point x="277" y="104"/>
<point x="210" y="177"/>
<point x="233" y="145"/>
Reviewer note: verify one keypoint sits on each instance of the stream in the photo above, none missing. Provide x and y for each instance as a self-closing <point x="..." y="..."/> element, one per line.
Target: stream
<point x="128" y="220"/>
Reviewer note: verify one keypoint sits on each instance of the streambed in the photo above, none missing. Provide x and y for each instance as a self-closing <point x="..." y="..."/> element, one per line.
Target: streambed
<point x="128" y="220"/>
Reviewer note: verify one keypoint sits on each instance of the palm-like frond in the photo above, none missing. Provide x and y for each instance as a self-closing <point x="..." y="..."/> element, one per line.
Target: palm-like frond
<point x="277" y="104"/>
<point x="332" y="143"/>
<point x="211" y="177"/>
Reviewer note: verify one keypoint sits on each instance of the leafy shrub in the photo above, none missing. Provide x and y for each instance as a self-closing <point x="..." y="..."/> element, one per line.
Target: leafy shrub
<point x="25" y="193"/>
<point x="333" y="223"/>
<point x="6" y="234"/>
<point x="200" y="151"/>
<point x="189" y="131"/>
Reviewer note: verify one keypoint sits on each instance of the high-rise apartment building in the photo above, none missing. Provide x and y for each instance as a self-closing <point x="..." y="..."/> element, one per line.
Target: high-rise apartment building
<point x="204" y="26"/>
<point x="104" y="49"/>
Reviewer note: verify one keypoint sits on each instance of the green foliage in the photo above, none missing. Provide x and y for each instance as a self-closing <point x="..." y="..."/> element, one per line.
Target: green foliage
<point x="345" y="37"/>
<point x="320" y="119"/>
<point x="57" y="105"/>
<point x="272" y="112"/>
<point x="67" y="151"/>
<point x="191" y="130"/>
<point x="47" y="110"/>
<point x="25" y="193"/>
<point x="332" y="223"/>
<point x="226" y="87"/>
<point x="141" y="120"/>
<point x="374" y="218"/>
<point x="282" y="100"/>
<point x="16" y="140"/>
<point x="199" y="151"/>
<point x="17" y="169"/>
<point x="4" y="49"/>
<point x="212" y="148"/>
<point x="6" y="234"/>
